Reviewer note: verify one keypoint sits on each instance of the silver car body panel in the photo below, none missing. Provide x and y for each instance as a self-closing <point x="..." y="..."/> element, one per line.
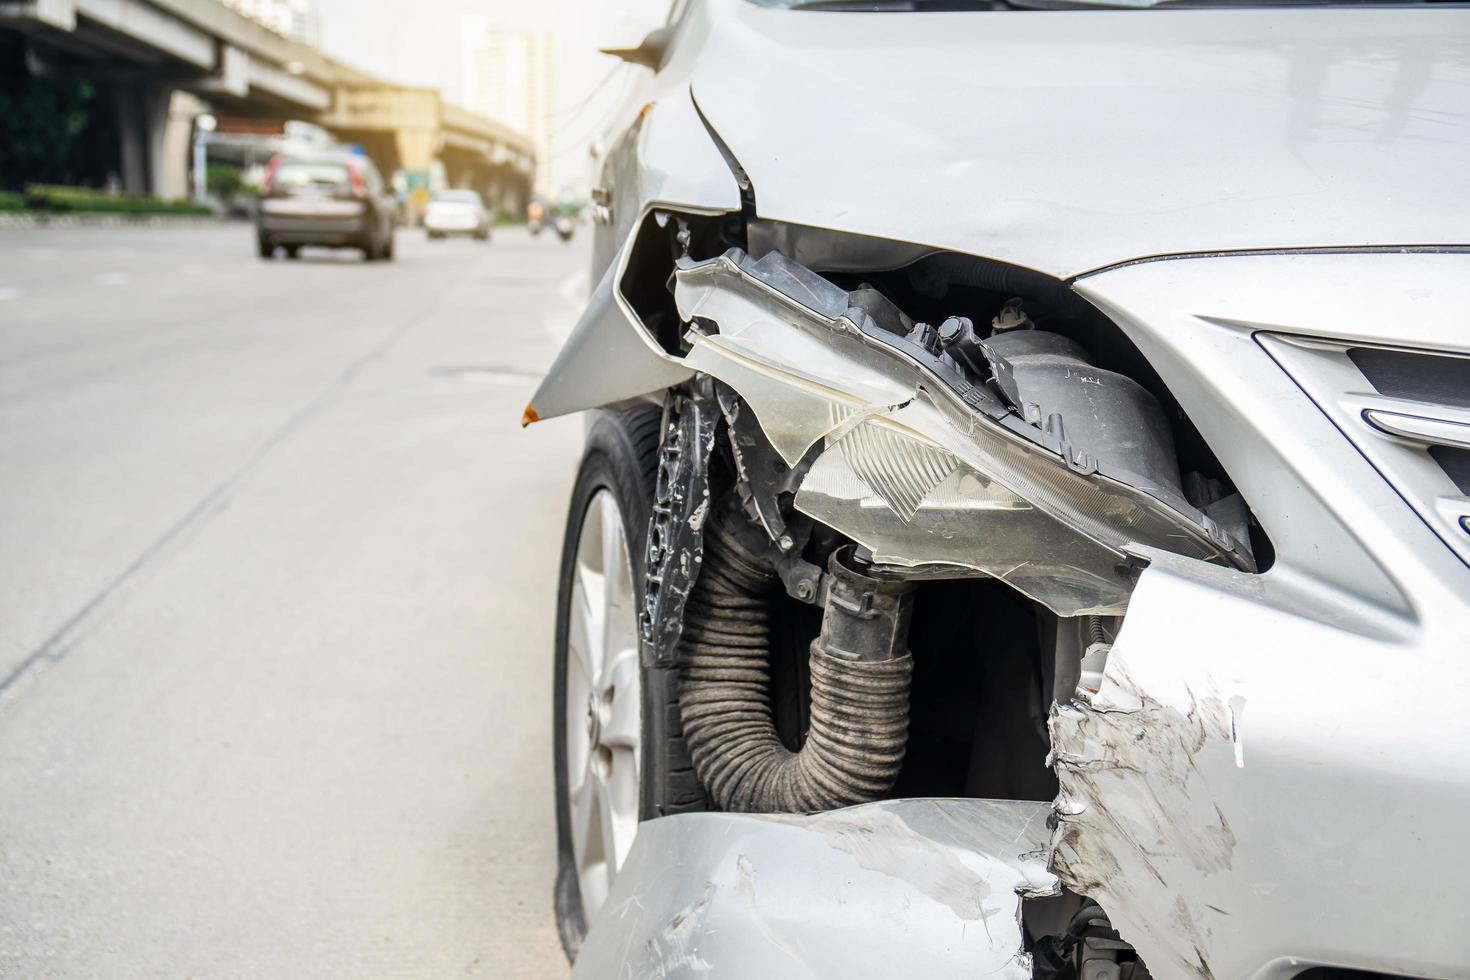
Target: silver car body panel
<point x="1066" y="141"/>
<point x="1332" y="107"/>
<point x="670" y="162"/>
<point x="1264" y="746"/>
<point x="908" y="888"/>
<point x="1254" y="790"/>
<point x="607" y="359"/>
<point x="1341" y="533"/>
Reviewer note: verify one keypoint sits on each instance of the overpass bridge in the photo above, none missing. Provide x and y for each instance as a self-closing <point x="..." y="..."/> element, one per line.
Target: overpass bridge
<point x="148" y="50"/>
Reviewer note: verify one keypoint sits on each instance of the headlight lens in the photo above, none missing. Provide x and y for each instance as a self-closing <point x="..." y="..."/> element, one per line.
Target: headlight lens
<point x="917" y="464"/>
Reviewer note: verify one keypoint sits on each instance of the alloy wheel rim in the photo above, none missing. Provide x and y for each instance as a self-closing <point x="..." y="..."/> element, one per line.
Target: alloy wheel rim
<point x="603" y="720"/>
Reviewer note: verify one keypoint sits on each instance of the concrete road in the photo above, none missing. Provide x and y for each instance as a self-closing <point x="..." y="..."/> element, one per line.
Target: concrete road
<point x="277" y="569"/>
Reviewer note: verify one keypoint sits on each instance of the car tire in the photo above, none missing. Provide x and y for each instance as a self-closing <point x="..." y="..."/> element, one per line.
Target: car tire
<point x="619" y="468"/>
<point x="388" y="248"/>
<point x="264" y="248"/>
<point x="293" y="251"/>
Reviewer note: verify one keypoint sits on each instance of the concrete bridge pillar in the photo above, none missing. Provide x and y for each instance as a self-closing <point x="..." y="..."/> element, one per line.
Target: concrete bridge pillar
<point x="142" y="120"/>
<point x="415" y="148"/>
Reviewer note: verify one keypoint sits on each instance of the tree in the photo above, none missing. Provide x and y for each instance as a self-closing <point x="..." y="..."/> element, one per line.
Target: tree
<point x="52" y="130"/>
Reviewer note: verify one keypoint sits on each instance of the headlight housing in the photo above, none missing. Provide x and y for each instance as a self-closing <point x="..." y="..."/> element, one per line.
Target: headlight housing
<point x="912" y="459"/>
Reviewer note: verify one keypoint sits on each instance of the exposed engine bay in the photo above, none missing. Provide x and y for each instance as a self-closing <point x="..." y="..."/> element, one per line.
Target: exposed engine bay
<point x="885" y="543"/>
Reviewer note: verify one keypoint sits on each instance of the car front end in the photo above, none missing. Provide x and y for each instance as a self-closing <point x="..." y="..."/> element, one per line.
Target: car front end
<point x="1057" y="556"/>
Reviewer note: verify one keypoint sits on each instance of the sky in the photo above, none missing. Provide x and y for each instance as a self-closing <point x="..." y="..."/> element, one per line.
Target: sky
<point x="420" y="43"/>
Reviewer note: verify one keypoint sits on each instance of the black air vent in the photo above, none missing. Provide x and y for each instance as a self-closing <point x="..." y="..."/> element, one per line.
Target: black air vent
<point x="1422" y="377"/>
<point x="1456" y="465"/>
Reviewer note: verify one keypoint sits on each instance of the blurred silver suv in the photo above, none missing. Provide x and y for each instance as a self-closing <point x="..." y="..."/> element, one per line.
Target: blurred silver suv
<point x="325" y="198"/>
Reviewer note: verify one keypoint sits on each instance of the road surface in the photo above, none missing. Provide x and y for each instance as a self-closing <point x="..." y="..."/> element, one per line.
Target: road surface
<point x="277" y="569"/>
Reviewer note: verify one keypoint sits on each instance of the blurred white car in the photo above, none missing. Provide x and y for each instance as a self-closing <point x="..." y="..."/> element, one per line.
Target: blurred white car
<point x="457" y="213"/>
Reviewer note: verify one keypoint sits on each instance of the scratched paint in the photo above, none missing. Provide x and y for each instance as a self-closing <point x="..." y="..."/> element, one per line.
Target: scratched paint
<point x="1132" y="792"/>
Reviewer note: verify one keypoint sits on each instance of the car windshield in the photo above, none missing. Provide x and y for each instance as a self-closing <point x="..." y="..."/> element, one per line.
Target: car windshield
<point x="892" y="6"/>
<point x="456" y="197"/>
<point x="302" y="173"/>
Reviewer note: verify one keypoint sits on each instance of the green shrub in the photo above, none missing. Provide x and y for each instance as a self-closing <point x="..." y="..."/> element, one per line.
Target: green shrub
<point x="222" y="179"/>
<point x="11" y="201"/>
<point x="85" y="200"/>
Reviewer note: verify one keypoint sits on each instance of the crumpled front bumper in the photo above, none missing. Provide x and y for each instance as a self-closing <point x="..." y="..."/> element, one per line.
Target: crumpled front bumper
<point x="1253" y="791"/>
<point x="907" y="888"/>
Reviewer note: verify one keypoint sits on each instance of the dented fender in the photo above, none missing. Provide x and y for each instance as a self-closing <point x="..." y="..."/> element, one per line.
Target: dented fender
<point x="673" y="165"/>
<point x="608" y="359"/>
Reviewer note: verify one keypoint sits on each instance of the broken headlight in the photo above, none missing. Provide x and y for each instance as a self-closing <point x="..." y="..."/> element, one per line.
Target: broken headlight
<point x="1024" y="476"/>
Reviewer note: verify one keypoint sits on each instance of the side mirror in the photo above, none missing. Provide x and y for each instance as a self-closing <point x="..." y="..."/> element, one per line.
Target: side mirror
<point x="651" y="52"/>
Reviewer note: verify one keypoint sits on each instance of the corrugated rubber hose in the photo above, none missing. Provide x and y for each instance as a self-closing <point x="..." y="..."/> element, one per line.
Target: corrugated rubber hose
<point x="860" y="673"/>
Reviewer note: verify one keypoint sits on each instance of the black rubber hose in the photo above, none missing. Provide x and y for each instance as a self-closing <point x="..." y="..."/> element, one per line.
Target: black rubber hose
<point x="860" y="675"/>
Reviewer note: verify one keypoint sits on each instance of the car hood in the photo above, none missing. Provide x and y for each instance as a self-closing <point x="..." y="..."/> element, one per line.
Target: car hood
<point x="1067" y="141"/>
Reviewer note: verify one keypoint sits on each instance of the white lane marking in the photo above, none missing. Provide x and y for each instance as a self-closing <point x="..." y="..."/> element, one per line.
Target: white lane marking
<point x="573" y="293"/>
<point x="8" y="292"/>
<point x="114" y="279"/>
<point x="558" y="328"/>
<point x="573" y="288"/>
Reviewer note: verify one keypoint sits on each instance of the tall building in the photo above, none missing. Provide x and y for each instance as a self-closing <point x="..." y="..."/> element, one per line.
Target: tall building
<point x="510" y="76"/>
<point x="296" y="19"/>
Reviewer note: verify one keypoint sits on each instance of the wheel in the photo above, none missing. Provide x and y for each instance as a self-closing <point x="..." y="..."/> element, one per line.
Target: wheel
<point x="370" y="251"/>
<point x="604" y="719"/>
<point x="293" y="251"/>
<point x="388" y="248"/>
<point x="435" y="236"/>
<point x="264" y="247"/>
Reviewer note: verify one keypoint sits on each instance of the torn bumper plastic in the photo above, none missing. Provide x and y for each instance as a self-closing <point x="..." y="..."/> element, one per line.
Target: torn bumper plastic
<point x="1274" y="794"/>
<point x="904" y="888"/>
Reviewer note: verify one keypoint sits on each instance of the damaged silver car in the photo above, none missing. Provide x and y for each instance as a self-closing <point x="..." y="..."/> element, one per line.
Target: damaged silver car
<point x="1024" y="527"/>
